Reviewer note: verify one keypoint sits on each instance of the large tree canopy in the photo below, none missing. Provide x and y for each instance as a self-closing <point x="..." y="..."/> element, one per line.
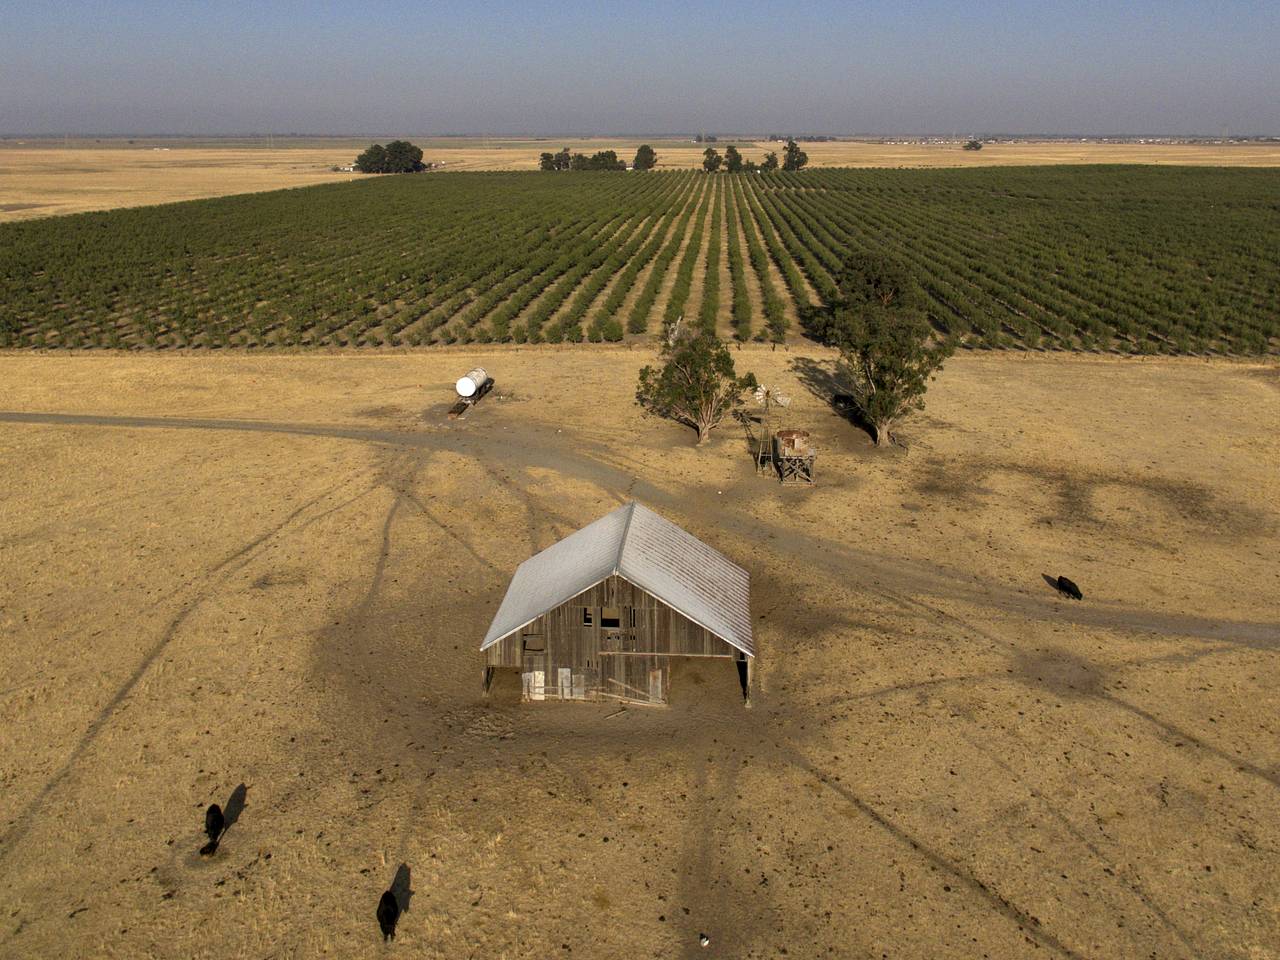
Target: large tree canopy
<point x="879" y="326"/>
<point x="373" y="160"/>
<point x="872" y="278"/>
<point x="732" y="159"/>
<point x="559" y="161"/>
<point x="398" y="156"/>
<point x="645" y="159"/>
<point x="696" y="384"/>
<point x="711" y="160"/>
<point x="793" y="158"/>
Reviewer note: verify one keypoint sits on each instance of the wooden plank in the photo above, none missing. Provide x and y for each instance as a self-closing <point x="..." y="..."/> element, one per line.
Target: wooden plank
<point x="643" y="694"/>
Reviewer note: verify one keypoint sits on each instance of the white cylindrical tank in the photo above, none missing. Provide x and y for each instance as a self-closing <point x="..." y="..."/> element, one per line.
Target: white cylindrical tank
<point x="470" y="385"/>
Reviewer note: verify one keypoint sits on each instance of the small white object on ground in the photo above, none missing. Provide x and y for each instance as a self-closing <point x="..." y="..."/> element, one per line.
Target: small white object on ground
<point x="704" y="940"/>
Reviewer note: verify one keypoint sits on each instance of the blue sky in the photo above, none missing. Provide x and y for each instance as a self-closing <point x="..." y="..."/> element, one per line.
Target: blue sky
<point x="393" y="67"/>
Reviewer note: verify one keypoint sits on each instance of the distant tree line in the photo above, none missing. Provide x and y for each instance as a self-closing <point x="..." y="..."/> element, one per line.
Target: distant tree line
<point x="732" y="161"/>
<point x="564" y="160"/>
<point x="793" y="158"/>
<point x="802" y="138"/>
<point x="645" y="159"/>
<point x="398" y="156"/>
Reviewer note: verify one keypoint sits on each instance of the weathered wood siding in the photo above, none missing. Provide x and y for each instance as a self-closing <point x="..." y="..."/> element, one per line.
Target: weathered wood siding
<point x="629" y="660"/>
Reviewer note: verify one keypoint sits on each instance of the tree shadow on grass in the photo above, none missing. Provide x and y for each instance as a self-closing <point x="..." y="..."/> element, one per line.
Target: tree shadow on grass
<point x="1069" y="676"/>
<point x="830" y="384"/>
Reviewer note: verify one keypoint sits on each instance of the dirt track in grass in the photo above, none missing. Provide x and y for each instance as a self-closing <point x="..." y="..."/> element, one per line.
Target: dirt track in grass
<point x="276" y="571"/>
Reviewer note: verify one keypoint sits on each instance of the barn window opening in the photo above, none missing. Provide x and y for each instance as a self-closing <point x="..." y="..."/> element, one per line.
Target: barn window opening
<point x="587" y="618"/>
<point x="633" y="616"/>
<point x="535" y="644"/>
<point x="610" y="618"/>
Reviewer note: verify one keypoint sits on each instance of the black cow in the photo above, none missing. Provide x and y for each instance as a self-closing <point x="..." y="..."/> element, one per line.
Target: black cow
<point x="1069" y="588"/>
<point x="388" y="914"/>
<point x="213" y="826"/>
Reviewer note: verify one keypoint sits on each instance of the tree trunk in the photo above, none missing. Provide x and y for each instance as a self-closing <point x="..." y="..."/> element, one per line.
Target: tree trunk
<point x="704" y="434"/>
<point x="883" y="437"/>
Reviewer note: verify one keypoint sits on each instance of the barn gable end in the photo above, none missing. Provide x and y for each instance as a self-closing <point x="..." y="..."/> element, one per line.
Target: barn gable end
<point x="600" y="613"/>
<point x="649" y="551"/>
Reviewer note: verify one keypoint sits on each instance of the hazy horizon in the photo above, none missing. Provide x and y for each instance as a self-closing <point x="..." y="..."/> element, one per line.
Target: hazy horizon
<point x="727" y="137"/>
<point x="501" y="69"/>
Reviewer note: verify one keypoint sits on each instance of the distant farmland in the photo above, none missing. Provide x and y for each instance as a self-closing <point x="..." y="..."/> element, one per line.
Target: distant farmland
<point x="1135" y="259"/>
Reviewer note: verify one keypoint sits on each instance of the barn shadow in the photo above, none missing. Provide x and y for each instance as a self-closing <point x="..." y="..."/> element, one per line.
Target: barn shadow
<point x="829" y="383"/>
<point x="963" y="480"/>
<point x="505" y="688"/>
<point x="705" y="684"/>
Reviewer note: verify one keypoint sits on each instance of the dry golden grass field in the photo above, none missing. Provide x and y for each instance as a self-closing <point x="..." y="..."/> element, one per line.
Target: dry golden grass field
<point x="276" y="571"/>
<point x="42" y="178"/>
<point x="52" y="180"/>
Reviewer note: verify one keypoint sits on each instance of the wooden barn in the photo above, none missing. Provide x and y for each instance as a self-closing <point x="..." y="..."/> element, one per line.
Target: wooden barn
<point x="600" y="614"/>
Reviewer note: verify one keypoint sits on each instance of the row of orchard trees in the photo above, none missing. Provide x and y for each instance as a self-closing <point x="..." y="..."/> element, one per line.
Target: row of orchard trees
<point x="1136" y="259"/>
<point x="793" y="159"/>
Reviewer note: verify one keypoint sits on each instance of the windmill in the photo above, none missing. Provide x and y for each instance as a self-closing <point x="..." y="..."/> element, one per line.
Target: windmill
<point x="768" y="398"/>
<point x="674" y="331"/>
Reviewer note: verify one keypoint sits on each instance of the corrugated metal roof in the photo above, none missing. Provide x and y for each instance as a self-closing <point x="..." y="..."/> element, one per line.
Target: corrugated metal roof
<point x="649" y="551"/>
